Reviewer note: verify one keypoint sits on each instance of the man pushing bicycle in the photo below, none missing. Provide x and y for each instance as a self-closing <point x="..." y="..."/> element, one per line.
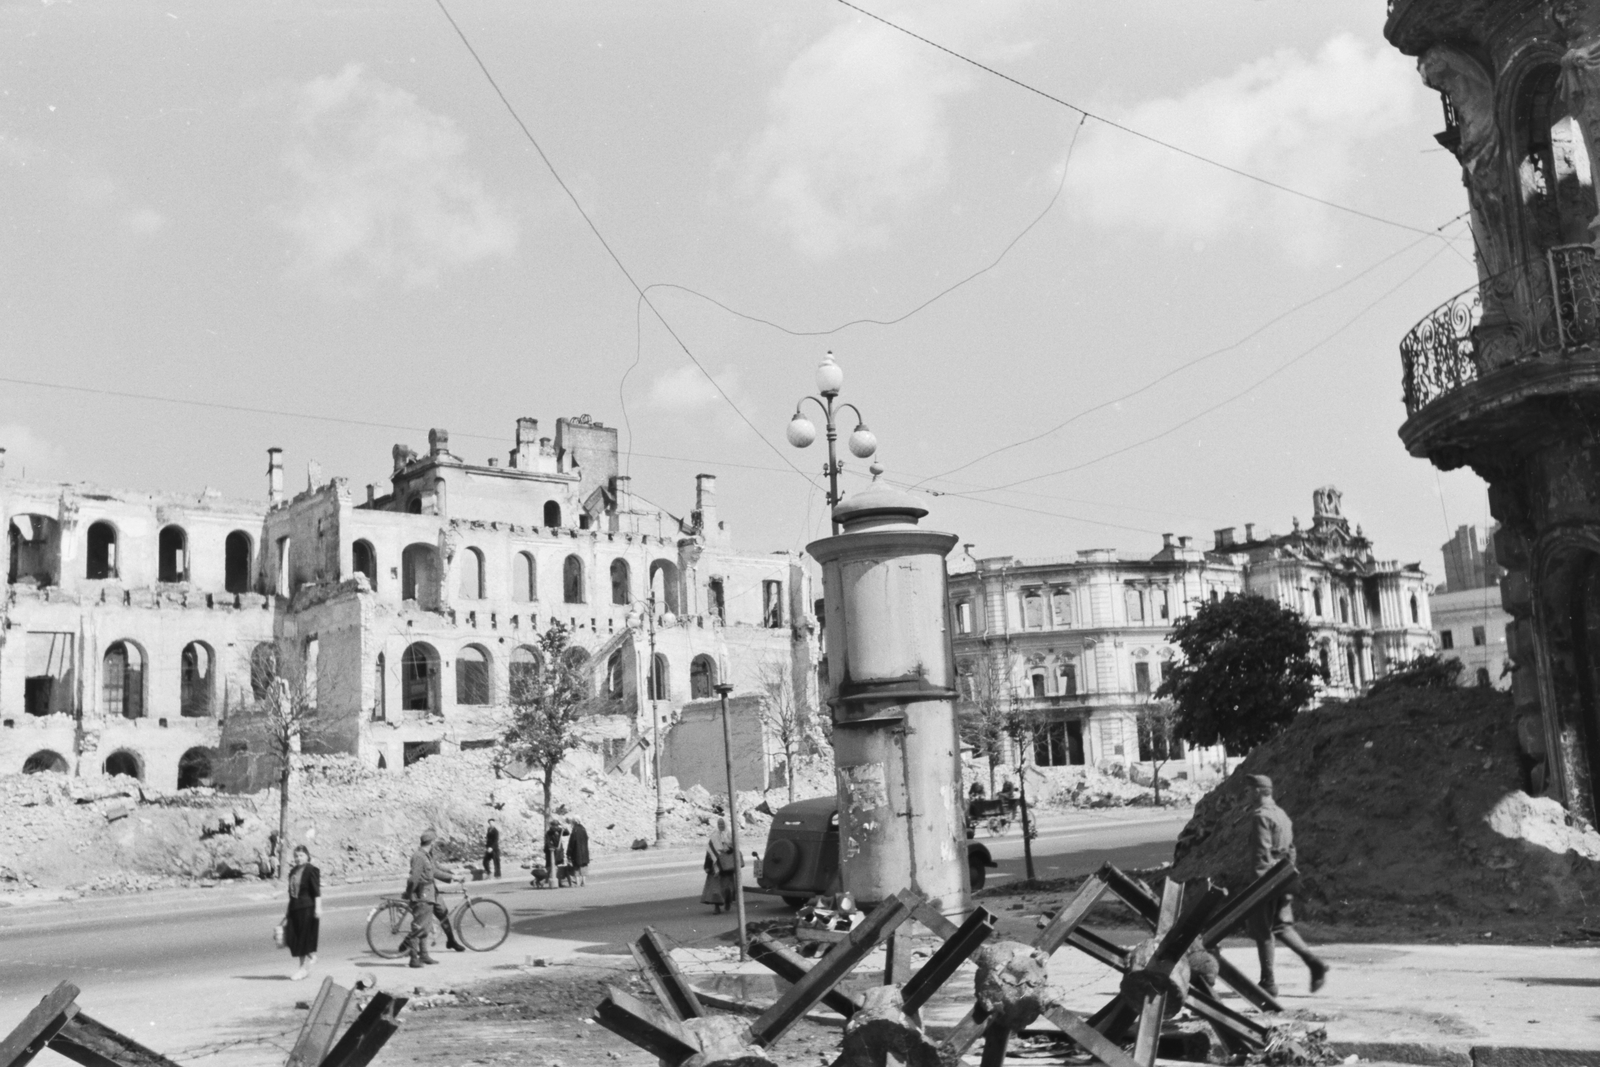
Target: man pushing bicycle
<point x="423" y="894"/>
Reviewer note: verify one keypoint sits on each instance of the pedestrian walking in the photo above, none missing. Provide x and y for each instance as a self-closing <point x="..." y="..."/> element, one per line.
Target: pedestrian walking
<point x="423" y="893"/>
<point x="491" y="849"/>
<point x="721" y="865"/>
<point x="578" y="852"/>
<point x="554" y="855"/>
<point x="1274" y="920"/>
<point x="303" y="918"/>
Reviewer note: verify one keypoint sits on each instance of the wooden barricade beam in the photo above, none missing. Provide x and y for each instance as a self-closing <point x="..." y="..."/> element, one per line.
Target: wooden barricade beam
<point x="789" y="966"/>
<point x="943" y="963"/>
<point x="1253" y="896"/>
<point x="321" y="1027"/>
<point x="1088" y="1038"/>
<point x="628" y="1017"/>
<point x="367" y="1035"/>
<point x="672" y="989"/>
<point x="92" y="1043"/>
<point x="1239" y="1033"/>
<point x="41" y="1024"/>
<point x="1154" y="1007"/>
<point x="1103" y="949"/>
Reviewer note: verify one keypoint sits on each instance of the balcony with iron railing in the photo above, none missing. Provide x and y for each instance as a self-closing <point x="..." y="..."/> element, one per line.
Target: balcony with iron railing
<point x="1445" y="351"/>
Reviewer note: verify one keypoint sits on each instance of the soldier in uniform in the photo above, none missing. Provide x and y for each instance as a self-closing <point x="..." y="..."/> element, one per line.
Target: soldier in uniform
<point x="1274" y="839"/>
<point x="425" y="907"/>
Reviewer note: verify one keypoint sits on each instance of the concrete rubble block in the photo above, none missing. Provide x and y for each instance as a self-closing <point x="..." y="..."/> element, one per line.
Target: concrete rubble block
<point x="881" y="1029"/>
<point x="724" y="1042"/>
<point x="1142" y="981"/>
<point x="1012" y="984"/>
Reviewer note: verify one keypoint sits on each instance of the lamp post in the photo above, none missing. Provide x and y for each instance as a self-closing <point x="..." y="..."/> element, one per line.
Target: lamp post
<point x="802" y="431"/>
<point x="723" y="689"/>
<point x="633" y="623"/>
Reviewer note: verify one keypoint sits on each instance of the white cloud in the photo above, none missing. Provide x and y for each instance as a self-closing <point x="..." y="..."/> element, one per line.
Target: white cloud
<point x="1300" y="122"/>
<point x="382" y="188"/>
<point x="27" y="451"/>
<point x="684" y="390"/>
<point x="857" y="136"/>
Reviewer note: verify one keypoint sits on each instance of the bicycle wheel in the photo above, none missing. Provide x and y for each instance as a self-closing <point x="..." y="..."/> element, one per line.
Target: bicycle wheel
<point x="387" y="928"/>
<point x="482" y="924"/>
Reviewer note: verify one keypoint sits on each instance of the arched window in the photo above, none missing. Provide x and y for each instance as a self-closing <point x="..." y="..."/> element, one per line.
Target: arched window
<point x="380" y="688"/>
<point x="716" y="599"/>
<point x="1316" y="600"/>
<point x="552" y="514"/>
<point x="101" y="559"/>
<point x="614" y="674"/>
<point x="702" y="677"/>
<point x="419" y="573"/>
<point x="122" y="681"/>
<point x="1483" y="677"/>
<point x="471" y="574"/>
<point x="123" y="762"/>
<point x="263" y="669"/>
<point x="525" y="578"/>
<point x="572" y="580"/>
<point x="1553" y="164"/>
<point x="1344" y="609"/>
<point x="172" y="555"/>
<point x="576" y="660"/>
<point x="526" y="667"/>
<point x="414" y="506"/>
<point x="194" y="769"/>
<point x="197" y="680"/>
<point x="659" y="682"/>
<point x="236" y="552"/>
<point x="419" y="678"/>
<point x="1326" y="663"/>
<point x="472" y="676"/>
<point x="621" y="582"/>
<point x="45" y="761"/>
<point x="1415" y="615"/>
<point x="364" y="560"/>
<point x="1350" y="666"/>
<point x="664" y="585"/>
<point x="1061" y="607"/>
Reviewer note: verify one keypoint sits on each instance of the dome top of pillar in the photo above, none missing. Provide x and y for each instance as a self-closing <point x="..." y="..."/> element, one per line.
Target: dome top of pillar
<point x="877" y="505"/>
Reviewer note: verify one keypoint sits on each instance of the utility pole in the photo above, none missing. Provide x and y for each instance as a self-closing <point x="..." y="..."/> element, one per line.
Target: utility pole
<point x="723" y="689"/>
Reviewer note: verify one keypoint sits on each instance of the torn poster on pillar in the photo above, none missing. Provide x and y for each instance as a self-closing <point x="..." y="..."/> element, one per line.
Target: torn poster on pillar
<point x="862" y="787"/>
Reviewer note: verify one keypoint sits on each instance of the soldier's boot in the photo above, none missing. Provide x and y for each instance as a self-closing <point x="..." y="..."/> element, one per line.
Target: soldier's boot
<point x="450" y="940"/>
<point x="1264" y="952"/>
<point x="1319" y="970"/>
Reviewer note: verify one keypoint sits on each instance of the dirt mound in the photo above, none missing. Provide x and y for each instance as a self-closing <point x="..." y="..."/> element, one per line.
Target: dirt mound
<point x="1408" y="809"/>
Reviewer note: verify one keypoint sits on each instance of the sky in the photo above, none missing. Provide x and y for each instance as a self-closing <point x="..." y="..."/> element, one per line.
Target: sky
<point x="318" y="226"/>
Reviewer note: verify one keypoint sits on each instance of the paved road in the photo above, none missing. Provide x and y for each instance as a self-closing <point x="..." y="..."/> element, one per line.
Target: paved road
<point x="189" y="965"/>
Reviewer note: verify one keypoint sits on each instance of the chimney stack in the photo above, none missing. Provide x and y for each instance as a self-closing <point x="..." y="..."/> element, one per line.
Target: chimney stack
<point x="1166" y="540"/>
<point x="438" y="442"/>
<point x="705" y="501"/>
<point x="1249" y="531"/>
<point x="275" y="475"/>
<point x="372" y="494"/>
<point x="1183" y="542"/>
<point x="1224" y="537"/>
<point x="622" y="488"/>
<point x="524" y="456"/>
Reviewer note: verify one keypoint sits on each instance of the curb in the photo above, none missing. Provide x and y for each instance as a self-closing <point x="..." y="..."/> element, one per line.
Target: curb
<point x="1436" y="1055"/>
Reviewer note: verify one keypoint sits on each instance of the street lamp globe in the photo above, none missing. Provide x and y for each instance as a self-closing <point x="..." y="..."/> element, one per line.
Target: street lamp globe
<point x="634" y="620"/>
<point x="863" y="442"/>
<point x="830" y="376"/>
<point x="668" y="619"/>
<point x="802" y="431"/>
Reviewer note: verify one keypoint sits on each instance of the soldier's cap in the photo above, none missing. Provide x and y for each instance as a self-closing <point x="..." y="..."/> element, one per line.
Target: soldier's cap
<point x="429" y="837"/>
<point x="1260" y="781"/>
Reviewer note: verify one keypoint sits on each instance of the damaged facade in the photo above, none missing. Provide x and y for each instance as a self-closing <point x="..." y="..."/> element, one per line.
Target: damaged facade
<point x="1082" y="643"/>
<point x="140" y="630"/>
<point x="1504" y="378"/>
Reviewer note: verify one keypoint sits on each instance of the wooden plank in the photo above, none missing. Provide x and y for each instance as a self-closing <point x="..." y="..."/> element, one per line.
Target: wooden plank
<point x="1187" y="929"/>
<point x="789" y="966"/>
<point x="630" y="1018"/>
<point x="1097" y="947"/>
<point x="1067" y="919"/>
<point x="317" y="1033"/>
<point x="1244" y="986"/>
<point x="897" y="956"/>
<point x="934" y="920"/>
<point x="666" y="977"/>
<point x="36" y="1029"/>
<point x="950" y="955"/>
<point x="1239" y="908"/>
<point x="368" y="1034"/>
<point x="94" y="1044"/>
<point x="839" y="961"/>
<point x="1092" y="1041"/>
<point x="1148" y="1035"/>
<point x="1141" y="900"/>
<point x="1240" y="1033"/>
<point x="995" y="1040"/>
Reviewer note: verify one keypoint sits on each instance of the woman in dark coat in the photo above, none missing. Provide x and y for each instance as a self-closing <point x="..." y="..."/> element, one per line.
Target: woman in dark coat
<point x="304" y="917"/>
<point x="578" y="851"/>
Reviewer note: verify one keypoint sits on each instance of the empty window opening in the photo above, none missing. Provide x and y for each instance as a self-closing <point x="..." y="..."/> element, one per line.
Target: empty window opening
<point x="658" y="681"/>
<point x="1316" y="600"/>
<point x="1350" y="666"/>
<point x="419" y="574"/>
<point x="964" y="617"/>
<point x="614" y="675"/>
<point x="419" y="750"/>
<point x="1061" y="607"/>
<point x="283" y="586"/>
<point x="51" y="678"/>
<point x="419" y="679"/>
<point x="702" y="677"/>
<point x="1036" y="683"/>
<point x="525" y="576"/>
<point x="1344" y="609"/>
<point x="197" y="680"/>
<point x="621" y="582"/>
<point x="1067" y="679"/>
<point x="1135" y="604"/>
<point x="263" y="670"/>
<point x="1163" y="604"/>
<point x="472" y="676"/>
<point x="771" y="604"/>
<point x="101" y="559"/>
<point x="45" y="762"/>
<point x="718" y="600"/>
<point x="1155" y="743"/>
<point x="552" y="514"/>
<point x="1447" y="639"/>
<point x="526" y="667"/>
<point x="123" y="762"/>
<point x="1033" y="609"/>
<point x="236" y="551"/>
<point x="664" y="585"/>
<point x="414" y="506"/>
<point x="1141" y="677"/>
<point x="311" y="671"/>
<point x="194" y="769"/>
<point x="1483" y="677"/>
<point x="364" y="560"/>
<point x="1416" y="615"/>
<point x="172" y="555"/>
<point x="471" y="586"/>
<point x="584" y="520"/>
<point x="576" y="660"/>
<point x="122" y="681"/>
<point x="1058" y="744"/>
<point x="380" y="688"/>
<point x="1480" y="636"/>
<point x="572" y="580"/>
<point x="34" y="542"/>
<point x="1325" y="663"/>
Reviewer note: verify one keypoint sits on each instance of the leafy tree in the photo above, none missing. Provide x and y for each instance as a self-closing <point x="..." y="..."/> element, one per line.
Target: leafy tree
<point x="1246" y="671"/>
<point x="548" y="706"/>
<point x="1429" y="670"/>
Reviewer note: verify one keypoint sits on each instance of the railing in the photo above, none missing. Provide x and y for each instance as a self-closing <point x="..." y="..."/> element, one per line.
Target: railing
<point x="1439" y="354"/>
<point x="1575" y="281"/>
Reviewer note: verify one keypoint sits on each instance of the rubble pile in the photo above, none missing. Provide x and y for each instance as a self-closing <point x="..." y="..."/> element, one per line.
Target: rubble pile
<point x="1110" y="786"/>
<point x="1408" y="809"/>
<point x="116" y="835"/>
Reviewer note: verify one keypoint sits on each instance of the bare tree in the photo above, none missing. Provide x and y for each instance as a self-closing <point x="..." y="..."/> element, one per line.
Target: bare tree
<point x="1158" y="735"/>
<point x="286" y="708"/>
<point x="1024" y="727"/>
<point x="986" y="709"/>
<point x="783" y="711"/>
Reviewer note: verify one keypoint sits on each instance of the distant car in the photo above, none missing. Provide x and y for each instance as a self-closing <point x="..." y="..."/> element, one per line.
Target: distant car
<point x="802" y="856"/>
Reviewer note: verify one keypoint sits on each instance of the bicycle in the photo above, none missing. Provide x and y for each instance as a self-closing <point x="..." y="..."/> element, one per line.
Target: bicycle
<point x="480" y="924"/>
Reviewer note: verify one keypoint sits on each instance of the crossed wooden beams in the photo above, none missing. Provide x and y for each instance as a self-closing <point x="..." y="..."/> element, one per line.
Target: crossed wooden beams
<point x="59" y="1024"/>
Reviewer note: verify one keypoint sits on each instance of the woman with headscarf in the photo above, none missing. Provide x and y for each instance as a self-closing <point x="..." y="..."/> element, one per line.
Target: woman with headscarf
<point x="722" y="869"/>
<point x="578" y="851"/>
<point x="554" y="856"/>
<point x="303" y="918"/>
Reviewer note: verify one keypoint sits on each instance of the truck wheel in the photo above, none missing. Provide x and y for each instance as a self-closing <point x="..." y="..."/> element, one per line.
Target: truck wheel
<point x="977" y="874"/>
<point x="796" y="902"/>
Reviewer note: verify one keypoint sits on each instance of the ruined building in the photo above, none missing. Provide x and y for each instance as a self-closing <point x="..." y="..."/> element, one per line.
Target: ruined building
<point x="1082" y="642"/>
<point x="1468" y="620"/>
<point x="139" y="629"/>
<point x="1505" y="377"/>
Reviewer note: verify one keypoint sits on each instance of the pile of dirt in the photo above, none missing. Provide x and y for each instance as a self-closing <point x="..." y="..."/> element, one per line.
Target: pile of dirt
<point x="1409" y="812"/>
